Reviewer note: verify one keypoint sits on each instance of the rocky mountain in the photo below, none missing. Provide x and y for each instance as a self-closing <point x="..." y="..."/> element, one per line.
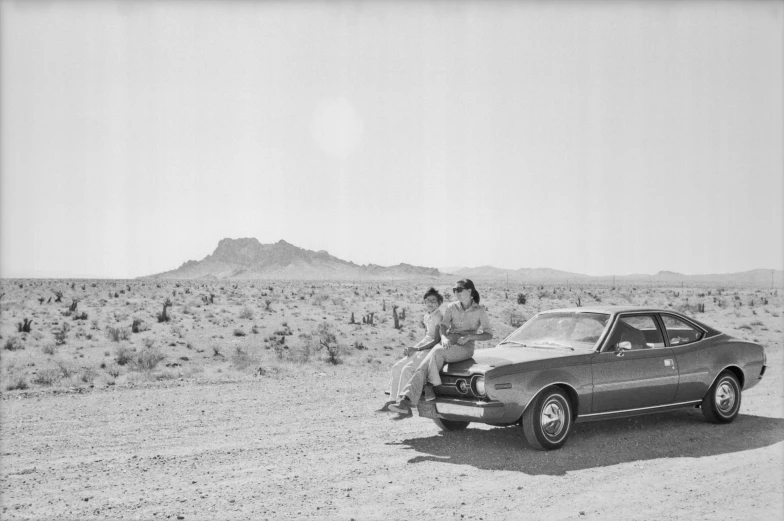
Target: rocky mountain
<point x="249" y="259"/>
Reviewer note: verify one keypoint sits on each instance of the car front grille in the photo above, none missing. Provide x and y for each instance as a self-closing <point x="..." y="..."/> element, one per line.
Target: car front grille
<point x="456" y="386"/>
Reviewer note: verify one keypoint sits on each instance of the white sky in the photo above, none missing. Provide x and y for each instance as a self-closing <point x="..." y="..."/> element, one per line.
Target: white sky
<point x="599" y="138"/>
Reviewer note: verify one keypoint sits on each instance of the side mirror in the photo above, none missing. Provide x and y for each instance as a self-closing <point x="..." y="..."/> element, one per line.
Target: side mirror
<point x="620" y="347"/>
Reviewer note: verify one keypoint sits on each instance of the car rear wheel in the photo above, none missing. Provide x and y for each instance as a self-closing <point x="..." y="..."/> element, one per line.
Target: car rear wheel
<point x="548" y="420"/>
<point x="450" y="425"/>
<point x="722" y="403"/>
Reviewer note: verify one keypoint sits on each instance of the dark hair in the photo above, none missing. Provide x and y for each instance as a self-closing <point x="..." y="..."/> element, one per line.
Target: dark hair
<point x="468" y="283"/>
<point x="434" y="292"/>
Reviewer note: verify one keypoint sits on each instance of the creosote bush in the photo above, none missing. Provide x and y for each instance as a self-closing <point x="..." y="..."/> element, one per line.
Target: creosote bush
<point x="147" y="359"/>
<point x="17" y="384"/>
<point x="115" y="334"/>
<point x="328" y="341"/>
<point x="47" y="377"/>
<point x="123" y="355"/>
<point x="13" y="343"/>
<point x="242" y="360"/>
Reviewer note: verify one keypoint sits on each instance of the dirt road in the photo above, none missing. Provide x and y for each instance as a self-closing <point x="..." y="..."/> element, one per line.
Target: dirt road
<point x="286" y="447"/>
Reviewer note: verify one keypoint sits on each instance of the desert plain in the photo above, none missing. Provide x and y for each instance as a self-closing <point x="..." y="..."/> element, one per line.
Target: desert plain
<point x="191" y="399"/>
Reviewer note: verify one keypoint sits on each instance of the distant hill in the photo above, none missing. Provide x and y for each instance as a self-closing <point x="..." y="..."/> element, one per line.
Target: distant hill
<point x="249" y="259"/>
<point x="757" y="277"/>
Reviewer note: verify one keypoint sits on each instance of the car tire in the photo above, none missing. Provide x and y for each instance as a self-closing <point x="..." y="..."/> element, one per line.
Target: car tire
<point x="722" y="403"/>
<point x="450" y="425"/>
<point x="548" y="420"/>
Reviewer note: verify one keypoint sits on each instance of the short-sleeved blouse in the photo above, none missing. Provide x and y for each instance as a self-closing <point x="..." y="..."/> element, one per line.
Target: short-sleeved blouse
<point x="469" y="320"/>
<point x="431" y="321"/>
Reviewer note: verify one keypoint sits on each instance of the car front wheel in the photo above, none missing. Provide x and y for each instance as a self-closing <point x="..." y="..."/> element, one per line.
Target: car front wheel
<point x="548" y="420"/>
<point x="722" y="403"/>
<point x="450" y="425"/>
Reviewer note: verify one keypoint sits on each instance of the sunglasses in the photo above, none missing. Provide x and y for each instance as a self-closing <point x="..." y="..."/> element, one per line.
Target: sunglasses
<point x="459" y="290"/>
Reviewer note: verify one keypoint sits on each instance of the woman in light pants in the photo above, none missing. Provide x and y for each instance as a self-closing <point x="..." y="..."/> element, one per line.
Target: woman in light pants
<point x="402" y="371"/>
<point x="460" y="328"/>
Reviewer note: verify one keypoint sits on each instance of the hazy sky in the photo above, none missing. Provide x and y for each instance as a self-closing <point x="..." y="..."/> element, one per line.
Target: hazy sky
<point x="600" y="138"/>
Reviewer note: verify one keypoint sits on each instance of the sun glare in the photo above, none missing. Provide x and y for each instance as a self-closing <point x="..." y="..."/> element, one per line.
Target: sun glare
<point x="336" y="127"/>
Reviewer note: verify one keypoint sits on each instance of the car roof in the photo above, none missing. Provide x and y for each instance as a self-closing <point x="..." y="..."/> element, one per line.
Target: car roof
<point x="614" y="310"/>
<point x="606" y="309"/>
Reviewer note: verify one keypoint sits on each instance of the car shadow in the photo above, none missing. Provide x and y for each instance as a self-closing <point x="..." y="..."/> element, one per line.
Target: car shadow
<point x="675" y="434"/>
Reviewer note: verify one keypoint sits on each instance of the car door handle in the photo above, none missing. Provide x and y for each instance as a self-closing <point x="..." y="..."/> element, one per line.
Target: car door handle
<point x="668" y="362"/>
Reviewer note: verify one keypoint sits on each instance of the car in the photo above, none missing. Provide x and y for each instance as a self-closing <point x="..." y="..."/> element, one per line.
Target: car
<point x="565" y="366"/>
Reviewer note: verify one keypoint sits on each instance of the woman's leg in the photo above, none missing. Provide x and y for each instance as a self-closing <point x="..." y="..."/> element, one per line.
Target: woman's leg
<point x="395" y="377"/>
<point x="441" y="356"/>
<point x="413" y="388"/>
<point x="407" y="372"/>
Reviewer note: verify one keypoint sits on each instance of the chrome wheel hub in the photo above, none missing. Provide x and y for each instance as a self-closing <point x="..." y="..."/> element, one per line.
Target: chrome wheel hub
<point x="725" y="397"/>
<point x="553" y="418"/>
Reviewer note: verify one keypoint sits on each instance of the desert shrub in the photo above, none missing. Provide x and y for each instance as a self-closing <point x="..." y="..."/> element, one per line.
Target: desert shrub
<point x="115" y="334"/>
<point x="47" y="377"/>
<point x="246" y="313"/>
<point x="328" y="341"/>
<point x="61" y="334"/>
<point x="242" y="360"/>
<point x="123" y="355"/>
<point x="254" y="329"/>
<point x="301" y="353"/>
<point x="147" y="359"/>
<point x="239" y="332"/>
<point x="320" y="299"/>
<point x="13" y="343"/>
<point x="687" y="308"/>
<point x="87" y="375"/>
<point x="148" y="342"/>
<point x="516" y="319"/>
<point x="66" y="370"/>
<point x="94" y="324"/>
<point x="521" y="299"/>
<point x="216" y="350"/>
<point x="113" y="371"/>
<point x="49" y="349"/>
<point x="17" y="384"/>
<point x="138" y="325"/>
<point x="80" y="316"/>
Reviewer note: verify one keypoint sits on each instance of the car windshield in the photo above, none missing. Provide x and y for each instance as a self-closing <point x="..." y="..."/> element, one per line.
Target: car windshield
<point x="567" y="330"/>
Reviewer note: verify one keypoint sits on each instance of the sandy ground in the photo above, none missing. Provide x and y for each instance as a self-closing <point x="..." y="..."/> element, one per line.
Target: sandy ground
<point x="310" y="446"/>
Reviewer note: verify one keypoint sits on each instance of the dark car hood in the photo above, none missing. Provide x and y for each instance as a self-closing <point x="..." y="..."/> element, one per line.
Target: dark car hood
<point x="486" y="359"/>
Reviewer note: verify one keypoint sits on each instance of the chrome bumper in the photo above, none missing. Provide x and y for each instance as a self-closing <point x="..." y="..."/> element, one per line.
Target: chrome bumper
<point x="460" y="409"/>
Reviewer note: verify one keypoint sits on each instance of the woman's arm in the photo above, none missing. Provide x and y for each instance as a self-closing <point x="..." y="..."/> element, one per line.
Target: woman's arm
<point x="435" y="342"/>
<point x="484" y="325"/>
<point x="478" y="337"/>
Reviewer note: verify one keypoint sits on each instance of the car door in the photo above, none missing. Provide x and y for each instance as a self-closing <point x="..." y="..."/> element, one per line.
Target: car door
<point x="692" y="354"/>
<point x="645" y="375"/>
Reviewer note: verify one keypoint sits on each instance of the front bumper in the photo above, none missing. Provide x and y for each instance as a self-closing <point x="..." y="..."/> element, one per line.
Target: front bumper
<point x="465" y="410"/>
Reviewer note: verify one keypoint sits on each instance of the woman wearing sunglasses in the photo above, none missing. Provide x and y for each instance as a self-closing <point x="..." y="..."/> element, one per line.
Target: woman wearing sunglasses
<point x="459" y="329"/>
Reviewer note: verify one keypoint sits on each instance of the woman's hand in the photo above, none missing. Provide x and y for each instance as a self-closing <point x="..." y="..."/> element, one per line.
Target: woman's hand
<point x="446" y="342"/>
<point x="411" y="350"/>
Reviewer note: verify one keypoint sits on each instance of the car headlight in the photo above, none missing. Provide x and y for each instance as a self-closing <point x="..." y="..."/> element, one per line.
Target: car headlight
<point x="478" y="385"/>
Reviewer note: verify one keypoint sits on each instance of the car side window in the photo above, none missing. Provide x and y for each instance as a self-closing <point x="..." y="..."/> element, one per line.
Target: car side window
<point x="679" y="332"/>
<point x="640" y="331"/>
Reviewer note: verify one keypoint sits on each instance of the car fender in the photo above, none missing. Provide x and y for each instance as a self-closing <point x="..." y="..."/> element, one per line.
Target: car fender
<point x="576" y="381"/>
